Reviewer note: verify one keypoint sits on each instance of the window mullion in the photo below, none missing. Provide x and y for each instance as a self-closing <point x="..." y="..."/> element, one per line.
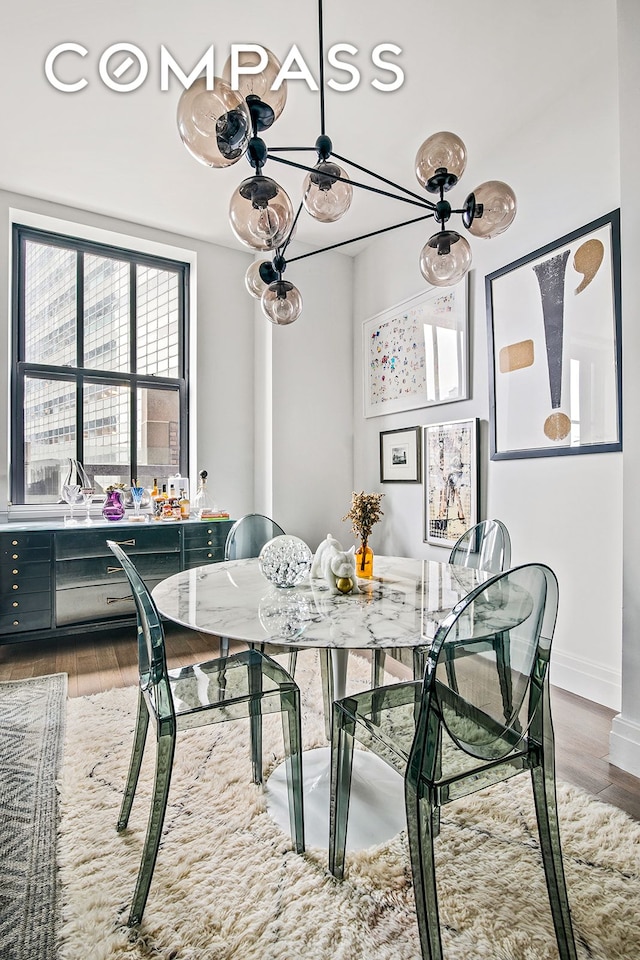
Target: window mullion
<point x="133" y="366"/>
<point x="80" y="357"/>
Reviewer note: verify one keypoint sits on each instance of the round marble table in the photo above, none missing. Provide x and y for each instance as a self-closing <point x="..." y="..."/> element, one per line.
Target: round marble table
<point x="401" y="606"/>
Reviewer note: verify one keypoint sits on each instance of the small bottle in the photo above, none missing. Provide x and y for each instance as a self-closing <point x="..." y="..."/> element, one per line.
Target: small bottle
<point x="164" y="493"/>
<point x="185" y="506"/>
<point x="154" y="489"/>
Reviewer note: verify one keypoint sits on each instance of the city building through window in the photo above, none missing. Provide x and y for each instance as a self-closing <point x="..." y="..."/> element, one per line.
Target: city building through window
<point x="99" y="365"/>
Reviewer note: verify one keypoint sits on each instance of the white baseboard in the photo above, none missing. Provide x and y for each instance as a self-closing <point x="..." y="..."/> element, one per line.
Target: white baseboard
<point x="624" y="745"/>
<point x="586" y="679"/>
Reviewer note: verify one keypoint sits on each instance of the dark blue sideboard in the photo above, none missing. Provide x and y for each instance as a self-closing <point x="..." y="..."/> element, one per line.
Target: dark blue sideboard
<point x="58" y="580"/>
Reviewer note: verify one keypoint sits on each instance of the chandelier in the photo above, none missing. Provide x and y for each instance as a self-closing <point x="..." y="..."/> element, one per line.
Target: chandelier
<point x="219" y="126"/>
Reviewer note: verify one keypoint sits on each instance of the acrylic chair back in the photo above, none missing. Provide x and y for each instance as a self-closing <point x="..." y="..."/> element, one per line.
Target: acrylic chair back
<point x="491" y="714"/>
<point x="248" y="536"/>
<point x="152" y="662"/>
<point x="485" y="546"/>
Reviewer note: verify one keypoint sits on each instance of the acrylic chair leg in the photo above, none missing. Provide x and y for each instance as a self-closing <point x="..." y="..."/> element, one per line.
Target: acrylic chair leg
<point x="292" y="734"/>
<point x="139" y="740"/>
<point x="224" y="646"/>
<point x="378" y="658"/>
<point x="420" y="818"/>
<point x="164" y="763"/>
<point x="293" y="660"/>
<point x="544" y="792"/>
<point x="255" y="720"/>
<point x="326" y="673"/>
<point x="341" y="770"/>
<point x="502" y="646"/>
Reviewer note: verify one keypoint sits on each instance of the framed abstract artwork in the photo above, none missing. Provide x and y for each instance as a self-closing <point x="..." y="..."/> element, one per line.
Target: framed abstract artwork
<point x="450" y="480"/>
<point x="416" y="354"/>
<point x="400" y="458"/>
<point x="555" y="339"/>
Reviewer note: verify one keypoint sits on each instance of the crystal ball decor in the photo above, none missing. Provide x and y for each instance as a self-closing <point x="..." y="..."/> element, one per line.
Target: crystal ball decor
<point x="285" y="561"/>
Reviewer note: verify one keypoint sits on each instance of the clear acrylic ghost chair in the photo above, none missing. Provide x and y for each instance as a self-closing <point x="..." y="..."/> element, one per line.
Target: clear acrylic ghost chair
<point x="247" y="684"/>
<point x="449" y="743"/>
<point x="245" y="540"/>
<point x="485" y="546"/>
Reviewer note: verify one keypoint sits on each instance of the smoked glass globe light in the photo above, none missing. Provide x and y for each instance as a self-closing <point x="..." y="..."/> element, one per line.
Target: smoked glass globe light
<point x="281" y="302"/>
<point x="445" y="258"/>
<point x="260" y="213"/>
<point x="324" y="197"/>
<point x="253" y="281"/>
<point x="499" y="209"/>
<point x="440" y="151"/>
<point x="259" y="84"/>
<point x="214" y="125"/>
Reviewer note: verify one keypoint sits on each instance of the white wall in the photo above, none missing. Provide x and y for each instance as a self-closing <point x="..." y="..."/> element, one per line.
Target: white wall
<point x="625" y="737"/>
<point x="566" y="511"/>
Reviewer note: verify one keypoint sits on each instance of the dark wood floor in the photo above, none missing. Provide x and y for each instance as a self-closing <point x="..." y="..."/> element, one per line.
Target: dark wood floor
<point x="98" y="662"/>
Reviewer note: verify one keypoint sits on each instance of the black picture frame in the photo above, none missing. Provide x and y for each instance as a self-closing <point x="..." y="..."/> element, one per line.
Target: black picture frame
<point x="401" y="455"/>
<point x="554" y="321"/>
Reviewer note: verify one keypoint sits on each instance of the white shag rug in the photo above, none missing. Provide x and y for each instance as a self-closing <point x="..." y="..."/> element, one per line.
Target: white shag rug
<point x="227" y="885"/>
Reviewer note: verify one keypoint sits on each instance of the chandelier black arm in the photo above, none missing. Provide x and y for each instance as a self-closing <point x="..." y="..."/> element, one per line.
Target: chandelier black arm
<point x="378" y="176"/>
<point x="364" y="236"/>
<point x="355" y="183"/>
<point x="321" y="64"/>
<point x="284" y="246"/>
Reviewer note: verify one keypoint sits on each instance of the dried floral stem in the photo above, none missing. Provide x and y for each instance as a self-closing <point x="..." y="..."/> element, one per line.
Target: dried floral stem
<point x="364" y="513"/>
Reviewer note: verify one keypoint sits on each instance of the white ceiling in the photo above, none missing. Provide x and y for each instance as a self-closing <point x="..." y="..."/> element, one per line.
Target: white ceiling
<point x="477" y="67"/>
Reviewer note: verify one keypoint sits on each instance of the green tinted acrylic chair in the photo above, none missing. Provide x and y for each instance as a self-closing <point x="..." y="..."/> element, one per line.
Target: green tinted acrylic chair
<point x="245" y="540"/>
<point x="485" y="546"/>
<point x="448" y="743"/>
<point x="247" y="684"/>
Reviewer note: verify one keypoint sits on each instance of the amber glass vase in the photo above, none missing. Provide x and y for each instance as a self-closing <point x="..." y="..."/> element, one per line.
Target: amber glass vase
<point x="364" y="562"/>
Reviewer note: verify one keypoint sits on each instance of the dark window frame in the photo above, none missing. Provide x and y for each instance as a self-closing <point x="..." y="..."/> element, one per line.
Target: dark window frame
<point x="20" y="368"/>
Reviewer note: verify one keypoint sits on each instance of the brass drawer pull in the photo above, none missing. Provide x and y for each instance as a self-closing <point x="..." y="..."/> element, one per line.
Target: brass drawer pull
<point x="119" y="599"/>
<point x="15" y="572"/>
<point x="114" y="569"/>
<point x="14" y="543"/>
<point x="16" y="622"/>
<point x="126" y="543"/>
<point x="15" y="556"/>
<point x="209" y="555"/>
<point x="15" y="604"/>
<point x="208" y="543"/>
<point x="15" y="586"/>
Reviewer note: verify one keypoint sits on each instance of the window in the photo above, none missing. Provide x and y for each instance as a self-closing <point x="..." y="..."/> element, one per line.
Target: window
<point x="99" y="365"/>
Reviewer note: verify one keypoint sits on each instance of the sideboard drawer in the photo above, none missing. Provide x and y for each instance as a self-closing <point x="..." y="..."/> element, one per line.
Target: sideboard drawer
<point x="197" y="558"/>
<point x="19" y="585"/>
<point x="21" y="622"/>
<point x="77" y="573"/>
<point x="206" y="534"/>
<point x="12" y="570"/>
<point x="24" y="603"/>
<point x="134" y="538"/>
<point x="11" y="543"/>
<point x="96" y="603"/>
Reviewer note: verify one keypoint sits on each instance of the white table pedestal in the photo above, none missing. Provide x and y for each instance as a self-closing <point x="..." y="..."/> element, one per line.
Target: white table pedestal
<point x="376" y="811"/>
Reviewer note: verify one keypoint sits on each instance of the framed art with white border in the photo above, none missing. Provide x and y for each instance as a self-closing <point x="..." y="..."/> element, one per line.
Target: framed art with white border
<point x="450" y="480"/>
<point x="555" y="339"/>
<point x="400" y="459"/>
<point x="417" y="353"/>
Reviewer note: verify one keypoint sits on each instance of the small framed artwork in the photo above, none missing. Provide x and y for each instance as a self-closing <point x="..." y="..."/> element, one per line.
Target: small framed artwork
<point x="555" y="339"/>
<point x="416" y="354"/>
<point x="400" y="459"/>
<point x="450" y="480"/>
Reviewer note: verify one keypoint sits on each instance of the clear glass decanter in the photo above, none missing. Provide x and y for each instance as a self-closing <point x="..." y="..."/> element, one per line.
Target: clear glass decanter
<point x="203" y="503"/>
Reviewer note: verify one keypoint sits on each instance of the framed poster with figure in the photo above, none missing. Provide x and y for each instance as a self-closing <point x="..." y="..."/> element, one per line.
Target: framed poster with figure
<point x="555" y="342"/>
<point x="450" y="480"/>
